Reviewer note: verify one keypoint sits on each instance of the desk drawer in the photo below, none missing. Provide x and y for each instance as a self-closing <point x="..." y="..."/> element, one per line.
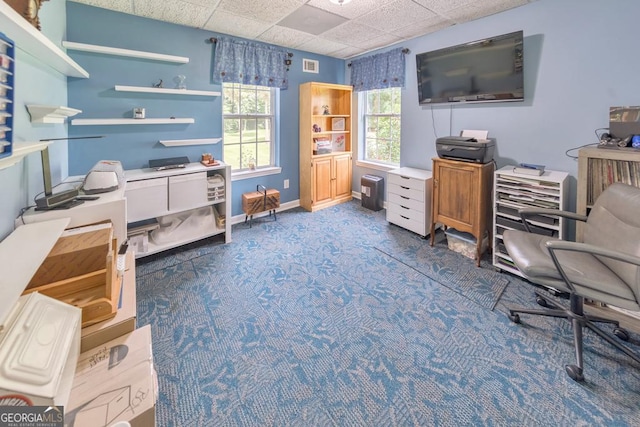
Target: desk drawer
<point x="413" y="204"/>
<point x="405" y="181"/>
<point x="406" y="192"/>
<point x="187" y="191"/>
<point x="417" y="226"/>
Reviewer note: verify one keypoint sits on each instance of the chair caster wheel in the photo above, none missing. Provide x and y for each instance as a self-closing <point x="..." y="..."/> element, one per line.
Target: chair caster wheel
<point x="574" y="372"/>
<point x="515" y="318"/>
<point x="621" y="334"/>
<point x="541" y="301"/>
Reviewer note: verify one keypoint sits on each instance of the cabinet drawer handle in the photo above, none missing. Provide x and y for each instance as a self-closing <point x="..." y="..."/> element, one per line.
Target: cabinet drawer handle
<point x="402" y="216"/>
<point x="404" y="197"/>
<point x="404" y="188"/>
<point x="404" y="207"/>
<point x="404" y="177"/>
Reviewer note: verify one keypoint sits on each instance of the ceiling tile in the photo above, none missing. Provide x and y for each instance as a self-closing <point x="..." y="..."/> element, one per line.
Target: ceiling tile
<point x="270" y="11"/>
<point x="439" y="6"/>
<point x="321" y="46"/>
<point x="375" y="42"/>
<point x="351" y="32"/>
<point x="227" y="23"/>
<point x="283" y="36"/>
<point x="421" y="28"/>
<point x="474" y="11"/>
<point x="347" y="52"/>
<point x="350" y="10"/>
<point x="124" y="6"/>
<point x="176" y="11"/>
<point x="395" y="15"/>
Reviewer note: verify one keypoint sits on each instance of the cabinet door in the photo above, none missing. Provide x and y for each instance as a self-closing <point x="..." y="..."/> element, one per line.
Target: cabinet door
<point x="147" y="198"/>
<point x="322" y="180"/>
<point x="455" y="195"/>
<point x="342" y="175"/>
<point x="187" y="191"/>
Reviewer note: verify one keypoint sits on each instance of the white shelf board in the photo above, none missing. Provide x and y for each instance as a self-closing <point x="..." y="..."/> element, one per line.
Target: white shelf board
<point x="20" y="150"/>
<point x="50" y="113"/>
<point x="116" y="51"/>
<point x="180" y="142"/>
<point x="94" y="122"/>
<point x="120" y="88"/>
<point x="28" y="39"/>
<point x="21" y="254"/>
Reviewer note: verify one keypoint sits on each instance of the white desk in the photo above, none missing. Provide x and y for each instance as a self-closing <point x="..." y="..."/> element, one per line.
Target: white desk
<point x="110" y="206"/>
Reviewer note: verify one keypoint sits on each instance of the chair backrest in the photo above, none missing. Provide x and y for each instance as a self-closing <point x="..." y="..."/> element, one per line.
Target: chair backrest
<point x="614" y="223"/>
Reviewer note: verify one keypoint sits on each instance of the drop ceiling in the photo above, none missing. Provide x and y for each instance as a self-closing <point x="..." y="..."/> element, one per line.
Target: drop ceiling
<point x="318" y="26"/>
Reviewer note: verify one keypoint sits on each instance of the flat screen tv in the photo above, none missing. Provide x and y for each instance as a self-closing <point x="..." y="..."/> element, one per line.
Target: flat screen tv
<point x="488" y="70"/>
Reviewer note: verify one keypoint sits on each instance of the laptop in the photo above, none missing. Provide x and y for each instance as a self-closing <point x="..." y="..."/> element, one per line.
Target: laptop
<point x="169" y="163"/>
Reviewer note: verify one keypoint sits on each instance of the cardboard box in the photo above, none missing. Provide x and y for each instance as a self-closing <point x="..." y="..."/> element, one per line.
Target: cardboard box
<point x="81" y="270"/>
<point x="115" y="382"/>
<point x="125" y="318"/>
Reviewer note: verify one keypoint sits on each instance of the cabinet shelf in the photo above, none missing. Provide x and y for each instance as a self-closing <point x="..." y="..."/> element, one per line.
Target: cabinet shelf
<point x="142" y="89"/>
<point x="50" y="113"/>
<point x="20" y="150"/>
<point x="33" y="42"/>
<point x="331" y="115"/>
<point x="104" y="122"/>
<point x="182" y="142"/>
<point x="106" y="50"/>
<point x="331" y="132"/>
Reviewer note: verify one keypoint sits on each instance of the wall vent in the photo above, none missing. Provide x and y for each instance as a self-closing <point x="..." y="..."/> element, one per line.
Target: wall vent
<point x="310" y="66"/>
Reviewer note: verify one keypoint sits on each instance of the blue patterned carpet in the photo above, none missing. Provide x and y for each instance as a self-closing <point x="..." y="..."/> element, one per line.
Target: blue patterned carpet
<point x="305" y="322"/>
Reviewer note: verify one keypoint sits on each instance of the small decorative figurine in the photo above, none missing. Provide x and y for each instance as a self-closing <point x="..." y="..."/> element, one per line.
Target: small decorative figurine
<point x="325" y="110"/>
<point x="159" y="84"/>
<point x="317" y="128"/>
<point x="179" y="79"/>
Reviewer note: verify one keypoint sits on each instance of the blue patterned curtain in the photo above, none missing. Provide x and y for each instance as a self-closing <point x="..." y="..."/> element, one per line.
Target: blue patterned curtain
<point x="379" y="71"/>
<point x="238" y="61"/>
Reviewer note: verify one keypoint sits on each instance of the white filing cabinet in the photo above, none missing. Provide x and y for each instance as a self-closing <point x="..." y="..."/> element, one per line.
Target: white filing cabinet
<point x="409" y="199"/>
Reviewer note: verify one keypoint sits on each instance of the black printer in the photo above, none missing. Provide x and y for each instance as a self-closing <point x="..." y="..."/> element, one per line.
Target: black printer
<point x="465" y="148"/>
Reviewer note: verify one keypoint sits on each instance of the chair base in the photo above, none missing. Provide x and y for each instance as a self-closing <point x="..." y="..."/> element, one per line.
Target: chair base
<point x="579" y="320"/>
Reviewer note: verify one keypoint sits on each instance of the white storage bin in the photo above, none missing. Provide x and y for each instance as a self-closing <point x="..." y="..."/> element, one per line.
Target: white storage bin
<point x="464" y="243"/>
<point x="187" y="191"/>
<point x="146" y="198"/>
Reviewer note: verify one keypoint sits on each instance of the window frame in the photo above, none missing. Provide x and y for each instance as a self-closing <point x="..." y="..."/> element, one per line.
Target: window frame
<point x="272" y="167"/>
<point x="363" y="105"/>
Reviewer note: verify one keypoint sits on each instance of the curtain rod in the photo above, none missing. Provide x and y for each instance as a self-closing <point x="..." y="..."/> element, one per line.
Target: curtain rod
<point x="214" y="40"/>
<point x="405" y="51"/>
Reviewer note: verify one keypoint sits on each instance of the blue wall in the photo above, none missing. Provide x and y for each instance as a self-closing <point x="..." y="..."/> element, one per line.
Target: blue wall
<point x="580" y="59"/>
<point x="35" y="83"/>
<point x="134" y="145"/>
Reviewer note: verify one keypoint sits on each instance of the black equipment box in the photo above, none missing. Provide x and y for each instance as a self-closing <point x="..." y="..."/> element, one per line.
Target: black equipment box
<point x="465" y="148"/>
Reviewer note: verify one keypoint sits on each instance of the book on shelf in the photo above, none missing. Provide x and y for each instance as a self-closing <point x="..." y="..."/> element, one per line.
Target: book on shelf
<point x="528" y="171"/>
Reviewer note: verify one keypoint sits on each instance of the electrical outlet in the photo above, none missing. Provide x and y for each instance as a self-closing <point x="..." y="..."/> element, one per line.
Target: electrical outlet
<point x="286" y="183"/>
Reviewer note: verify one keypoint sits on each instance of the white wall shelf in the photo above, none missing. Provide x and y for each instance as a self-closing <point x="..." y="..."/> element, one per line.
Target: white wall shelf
<point x="106" y="50"/>
<point x="50" y="113"/>
<point x="99" y="122"/>
<point x="182" y="142"/>
<point x="20" y="150"/>
<point x="120" y="88"/>
<point x="28" y="39"/>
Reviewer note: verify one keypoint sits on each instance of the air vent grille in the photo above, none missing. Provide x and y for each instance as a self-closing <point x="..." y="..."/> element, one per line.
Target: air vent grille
<point x="310" y="66"/>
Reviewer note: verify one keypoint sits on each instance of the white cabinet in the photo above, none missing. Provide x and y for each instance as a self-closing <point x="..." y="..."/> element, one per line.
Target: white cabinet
<point x="409" y="199"/>
<point x="159" y="202"/>
<point x="513" y="191"/>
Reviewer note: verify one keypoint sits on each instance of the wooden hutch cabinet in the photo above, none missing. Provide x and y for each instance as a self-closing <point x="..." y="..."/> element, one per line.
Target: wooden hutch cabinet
<point x="325" y="169"/>
<point x="462" y="198"/>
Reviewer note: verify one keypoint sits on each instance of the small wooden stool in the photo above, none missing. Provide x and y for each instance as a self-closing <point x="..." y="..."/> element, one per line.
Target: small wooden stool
<point x="261" y="200"/>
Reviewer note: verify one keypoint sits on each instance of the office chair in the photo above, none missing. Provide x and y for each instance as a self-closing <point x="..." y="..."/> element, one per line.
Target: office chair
<point x="604" y="268"/>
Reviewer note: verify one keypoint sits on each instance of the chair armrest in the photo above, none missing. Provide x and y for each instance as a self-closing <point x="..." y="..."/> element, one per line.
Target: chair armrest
<point x="561" y="245"/>
<point x="525" y="213"/>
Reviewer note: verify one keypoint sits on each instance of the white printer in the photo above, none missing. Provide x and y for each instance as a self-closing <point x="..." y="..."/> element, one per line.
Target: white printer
<point x="465" y="148"/>
<point x="104" y="176"/>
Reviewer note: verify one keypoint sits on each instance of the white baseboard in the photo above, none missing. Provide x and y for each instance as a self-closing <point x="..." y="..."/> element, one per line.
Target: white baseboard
<point x="237" y="219"/>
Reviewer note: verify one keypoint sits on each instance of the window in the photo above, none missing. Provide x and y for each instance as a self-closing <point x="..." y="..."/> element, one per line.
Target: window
<point x="382" y="126"/>
<point x="248" y="119"/>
